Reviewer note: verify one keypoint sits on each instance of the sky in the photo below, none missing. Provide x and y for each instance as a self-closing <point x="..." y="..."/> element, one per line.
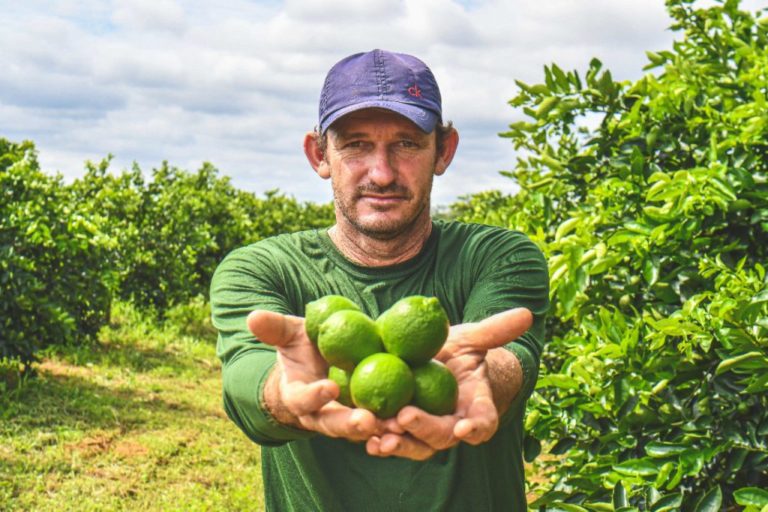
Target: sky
<point x="236" y="83"/>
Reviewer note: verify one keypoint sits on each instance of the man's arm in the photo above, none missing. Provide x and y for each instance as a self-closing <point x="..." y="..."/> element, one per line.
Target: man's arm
<point x="505" y="375"/>
<point x="243" y="282"/>
<point x="274" y="404"/>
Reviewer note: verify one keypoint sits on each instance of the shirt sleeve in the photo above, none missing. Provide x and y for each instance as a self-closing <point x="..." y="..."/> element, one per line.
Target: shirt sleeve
<point x="245" y="281"/>
<point x="513" y="273"/>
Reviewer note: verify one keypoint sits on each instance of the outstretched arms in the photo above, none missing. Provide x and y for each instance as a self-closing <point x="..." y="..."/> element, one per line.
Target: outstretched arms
<point x="299" y="394"/>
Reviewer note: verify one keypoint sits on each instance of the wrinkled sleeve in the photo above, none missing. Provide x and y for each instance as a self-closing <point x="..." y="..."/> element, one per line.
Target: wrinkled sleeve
<point x="513" y="273"/>
<point x="244" y="281"/>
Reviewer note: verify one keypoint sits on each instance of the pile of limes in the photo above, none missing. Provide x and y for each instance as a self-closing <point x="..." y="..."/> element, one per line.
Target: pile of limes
<point x="385" y="364"/>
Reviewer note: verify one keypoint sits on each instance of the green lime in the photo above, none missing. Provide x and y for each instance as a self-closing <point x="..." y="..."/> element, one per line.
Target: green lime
<point x="436" y="389"/>
<point x="414" y="328"/>
<point x="346" y="337"/>
<point x="318" y="311"/>
<point x="382" y="383"/>
<point x="341" y="377"/>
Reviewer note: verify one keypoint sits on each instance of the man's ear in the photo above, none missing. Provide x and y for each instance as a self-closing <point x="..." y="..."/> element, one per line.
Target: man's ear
<point x="445" y="157"/>
<point x="315" y="155"/>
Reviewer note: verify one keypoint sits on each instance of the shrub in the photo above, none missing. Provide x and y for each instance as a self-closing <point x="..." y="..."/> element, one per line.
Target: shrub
<point x="67" y="250"/>
<point x="174" y="229"/>
<point x="55" y="279"/>
<point x="192" y="319"/>
<point x="650" y="200"/>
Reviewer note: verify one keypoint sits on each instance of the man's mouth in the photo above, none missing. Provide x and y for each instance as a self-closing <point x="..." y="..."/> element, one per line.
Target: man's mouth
<point x="383" y="197"/>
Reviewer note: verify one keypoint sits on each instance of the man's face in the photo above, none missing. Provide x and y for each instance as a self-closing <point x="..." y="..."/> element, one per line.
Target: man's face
<point x="381" y="167"/>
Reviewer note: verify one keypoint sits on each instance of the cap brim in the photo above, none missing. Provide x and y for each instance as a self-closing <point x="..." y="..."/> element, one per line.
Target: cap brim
<point x="425" y="119"/>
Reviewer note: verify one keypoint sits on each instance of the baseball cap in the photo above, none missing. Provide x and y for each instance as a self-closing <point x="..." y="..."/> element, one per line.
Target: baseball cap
<point x="394" y="81"/>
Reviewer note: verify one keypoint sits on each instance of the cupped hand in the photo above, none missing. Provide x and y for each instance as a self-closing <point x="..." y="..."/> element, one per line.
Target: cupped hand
<point x="303" y="395"/>
<point x="415" y="434"/>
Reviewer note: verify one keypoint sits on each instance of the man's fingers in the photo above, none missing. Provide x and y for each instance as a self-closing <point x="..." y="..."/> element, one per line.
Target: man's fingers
<point x="273" y="328"/>
<point x="307" y="398"/>
<point x="336" y="420"/>
<point x="405" y="446"/>
<point x="436" y="431"/>
<point x="497" y="330"/>
<point x="392" y="425"/>
<point x="481" y="422"/>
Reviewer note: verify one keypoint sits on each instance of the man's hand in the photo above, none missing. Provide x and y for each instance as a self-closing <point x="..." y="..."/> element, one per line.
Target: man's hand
<point x="488" y="377"/>
<point x="298" y="392"/>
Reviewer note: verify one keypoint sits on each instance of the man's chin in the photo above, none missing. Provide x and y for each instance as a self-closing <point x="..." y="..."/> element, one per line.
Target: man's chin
<point x="381" y="230"/>
<point x="382" y="226"/>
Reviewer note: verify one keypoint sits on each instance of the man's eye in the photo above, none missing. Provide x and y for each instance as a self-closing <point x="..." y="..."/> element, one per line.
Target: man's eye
<point x="408" y="144"/>
<point x="354" y="144"/>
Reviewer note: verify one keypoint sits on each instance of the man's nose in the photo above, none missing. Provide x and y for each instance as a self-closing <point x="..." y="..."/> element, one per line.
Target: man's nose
<point x="382" y="170"/>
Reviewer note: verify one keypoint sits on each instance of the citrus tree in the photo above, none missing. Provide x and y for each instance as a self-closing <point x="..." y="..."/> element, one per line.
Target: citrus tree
<point x="68" y="250"/>
<point x="174" y="228"/>
<point x="56" y="280"/>
<point x="650" y="200"/>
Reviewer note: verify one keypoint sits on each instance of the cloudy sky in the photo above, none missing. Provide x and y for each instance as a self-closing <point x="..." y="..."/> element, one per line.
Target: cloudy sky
<point x="236" y="82"/>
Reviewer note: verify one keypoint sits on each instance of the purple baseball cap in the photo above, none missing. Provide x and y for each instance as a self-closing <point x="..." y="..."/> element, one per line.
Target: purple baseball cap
<point x="394" y="81"/>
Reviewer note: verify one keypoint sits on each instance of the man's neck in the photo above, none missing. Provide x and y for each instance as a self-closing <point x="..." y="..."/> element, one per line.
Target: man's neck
<point x="371" y="252"/>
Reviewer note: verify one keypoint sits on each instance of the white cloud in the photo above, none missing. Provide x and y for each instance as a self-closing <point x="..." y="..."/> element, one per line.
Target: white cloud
<point x="149" y="15"/>
<point x="338" y="12"/>
<point x="236" y="82"/>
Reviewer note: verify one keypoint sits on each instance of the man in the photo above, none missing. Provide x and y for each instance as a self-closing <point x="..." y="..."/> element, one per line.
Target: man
<point x="380" y="140"/>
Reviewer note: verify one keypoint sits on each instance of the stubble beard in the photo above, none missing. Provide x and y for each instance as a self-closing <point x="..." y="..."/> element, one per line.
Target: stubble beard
<point x="382" y="229"/>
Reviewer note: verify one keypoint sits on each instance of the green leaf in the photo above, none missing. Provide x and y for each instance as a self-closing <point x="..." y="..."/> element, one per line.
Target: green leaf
<point x="537" y="89"/>
<point x="757" y="384"/>
<point x="566" y="227"/>
<point x="547" y="498"/>
<point x="565" y="507"/>
<point x="750" y="360"/>
<point x="760" y="298"/>
<point x="636" y="227"/>
<point x="751" y="496"/>
<point x="557" y="380"/>
<point x="619" y="496"/>
<point x="668" y="502"/>
<point x="661" y="449"/>
<point x="637" y="467"/>
<point x="600" y="506"/>
<point x="531" y="448"/>
<point x="562" y="446"/>
<point x="711" y="501"/>
<point x="550" y="162"/>
<point x="651" y="270"/>
<point x="546" y="106"/>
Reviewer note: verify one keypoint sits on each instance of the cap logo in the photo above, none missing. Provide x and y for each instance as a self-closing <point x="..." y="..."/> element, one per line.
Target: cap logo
<point x="414" y="91"/>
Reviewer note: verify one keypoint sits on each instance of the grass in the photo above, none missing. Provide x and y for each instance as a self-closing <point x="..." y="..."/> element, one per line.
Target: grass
<point x="133" y="422"/>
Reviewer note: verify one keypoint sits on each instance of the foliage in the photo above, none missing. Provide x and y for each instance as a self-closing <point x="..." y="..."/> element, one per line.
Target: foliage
<point x="55" y="277"/>
<point x="192" y="318"/>
<point x="650" y="200"/>
<point x="68" y="250"/>
<point x="175" y="229"/>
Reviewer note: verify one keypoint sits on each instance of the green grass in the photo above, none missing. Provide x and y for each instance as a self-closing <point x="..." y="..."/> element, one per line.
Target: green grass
<point x="133" y="422"/>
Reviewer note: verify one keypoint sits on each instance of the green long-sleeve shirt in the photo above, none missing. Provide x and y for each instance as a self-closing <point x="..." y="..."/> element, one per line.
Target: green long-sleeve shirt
<point x="474" y="270"/>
